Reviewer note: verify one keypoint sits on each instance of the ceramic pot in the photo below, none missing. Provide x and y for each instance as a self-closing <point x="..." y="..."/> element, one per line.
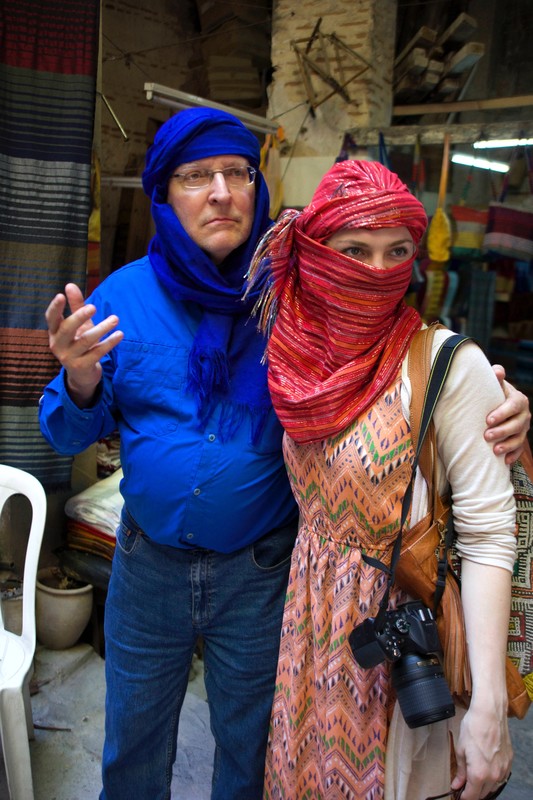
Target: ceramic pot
<point x="62" y="614"/>
<point x="11" y="595"/>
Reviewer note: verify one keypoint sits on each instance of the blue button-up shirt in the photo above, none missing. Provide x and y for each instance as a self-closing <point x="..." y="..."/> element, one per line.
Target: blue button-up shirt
<point x="184" y="487"/>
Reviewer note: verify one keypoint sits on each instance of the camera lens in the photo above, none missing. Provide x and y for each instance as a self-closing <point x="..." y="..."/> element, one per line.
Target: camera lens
<point x="421" y="688"/>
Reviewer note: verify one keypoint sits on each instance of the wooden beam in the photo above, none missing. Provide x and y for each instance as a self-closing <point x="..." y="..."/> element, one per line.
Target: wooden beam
<point x="463" y="105"/>
<point x="434" y="134"/>
<point x="425" y="36"/>
<point x="464" y="59"/>
<point x="460" y="30"/>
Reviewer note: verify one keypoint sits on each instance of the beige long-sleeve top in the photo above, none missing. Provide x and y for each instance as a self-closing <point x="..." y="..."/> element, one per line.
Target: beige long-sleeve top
<point x="482" y="496"/>
<point x="418" y="762"/>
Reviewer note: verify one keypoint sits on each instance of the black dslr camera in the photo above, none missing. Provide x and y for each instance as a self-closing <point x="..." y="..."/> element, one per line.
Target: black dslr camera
<point x="409" y="639"/>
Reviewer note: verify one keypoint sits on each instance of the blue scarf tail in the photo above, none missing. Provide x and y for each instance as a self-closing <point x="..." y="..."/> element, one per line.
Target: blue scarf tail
<point x="224" y="369"/>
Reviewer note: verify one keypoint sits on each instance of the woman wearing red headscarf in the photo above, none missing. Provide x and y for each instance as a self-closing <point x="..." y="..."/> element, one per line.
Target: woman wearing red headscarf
<point x="339" y="336"/>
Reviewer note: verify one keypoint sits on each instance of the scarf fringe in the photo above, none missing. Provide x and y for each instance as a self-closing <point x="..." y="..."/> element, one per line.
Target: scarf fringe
<point x="232" y="416"/>
<point x="266" y="305"/>
<point x="266" y="309"/>
<point x="263" y="269"/>
<point x="208" y="372"/>
<point x="209" y="379"/>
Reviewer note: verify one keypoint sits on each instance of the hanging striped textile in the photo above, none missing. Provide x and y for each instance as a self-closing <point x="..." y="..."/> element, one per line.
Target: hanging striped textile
<point x="48" y="62"/>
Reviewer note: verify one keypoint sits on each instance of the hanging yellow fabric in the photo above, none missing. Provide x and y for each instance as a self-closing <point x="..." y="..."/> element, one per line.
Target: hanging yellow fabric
<point x="439" y="293"/>
<point x="439" y="236"/>
<point x="270" y="166"/>
<point x="94" y="229"/>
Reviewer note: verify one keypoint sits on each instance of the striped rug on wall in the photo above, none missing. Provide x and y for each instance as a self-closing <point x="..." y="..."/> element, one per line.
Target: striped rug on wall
<point x="48" y="61"/>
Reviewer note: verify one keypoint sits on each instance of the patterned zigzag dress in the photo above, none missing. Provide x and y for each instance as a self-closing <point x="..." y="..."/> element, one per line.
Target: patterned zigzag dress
<point x="329" y="722"/>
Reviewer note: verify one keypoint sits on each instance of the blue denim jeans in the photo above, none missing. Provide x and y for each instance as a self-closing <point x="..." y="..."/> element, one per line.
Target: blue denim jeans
<point x="160" y="600"/>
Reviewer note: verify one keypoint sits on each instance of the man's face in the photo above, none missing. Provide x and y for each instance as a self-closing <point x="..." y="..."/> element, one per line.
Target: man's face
<point x="217" y="217"/>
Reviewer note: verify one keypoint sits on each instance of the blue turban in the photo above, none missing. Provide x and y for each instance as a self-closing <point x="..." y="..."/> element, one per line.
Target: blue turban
<point x="193" y="134"/>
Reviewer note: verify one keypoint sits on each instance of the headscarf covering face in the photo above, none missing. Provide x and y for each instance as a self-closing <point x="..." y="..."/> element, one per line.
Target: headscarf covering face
<point x="224" y="362"/>
<point x="362" y="194"/>
<point x="340" y="328"/>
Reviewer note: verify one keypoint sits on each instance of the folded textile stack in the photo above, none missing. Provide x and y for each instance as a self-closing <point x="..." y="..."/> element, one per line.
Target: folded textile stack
<point x="93" y="516"/>
<point x="108" y="455"/>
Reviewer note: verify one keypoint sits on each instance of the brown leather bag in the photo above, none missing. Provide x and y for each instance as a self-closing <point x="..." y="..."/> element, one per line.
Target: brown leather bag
<point x="416" y="571"/>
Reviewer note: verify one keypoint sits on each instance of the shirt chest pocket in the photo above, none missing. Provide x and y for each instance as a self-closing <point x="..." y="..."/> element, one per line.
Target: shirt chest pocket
<point x="149" y="386"/>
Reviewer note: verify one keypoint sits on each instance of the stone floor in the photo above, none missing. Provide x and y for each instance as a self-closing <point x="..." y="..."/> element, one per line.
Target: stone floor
<point x="68" y="712"/>
<point x="69" y="717"/>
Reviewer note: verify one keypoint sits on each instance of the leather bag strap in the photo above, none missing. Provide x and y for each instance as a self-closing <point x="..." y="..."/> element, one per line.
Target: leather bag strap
<point x="437" y="375"/>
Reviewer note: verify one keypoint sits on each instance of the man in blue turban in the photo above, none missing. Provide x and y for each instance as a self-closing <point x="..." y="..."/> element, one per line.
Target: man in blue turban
<point x="208" y="524"/>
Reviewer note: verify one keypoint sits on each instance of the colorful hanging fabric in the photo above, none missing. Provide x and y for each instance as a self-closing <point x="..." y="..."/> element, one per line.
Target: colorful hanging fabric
<point x="48" y="63"/>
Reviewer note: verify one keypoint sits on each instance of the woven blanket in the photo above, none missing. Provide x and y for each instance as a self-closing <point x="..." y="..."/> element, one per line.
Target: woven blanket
<point x="48" y="60"/>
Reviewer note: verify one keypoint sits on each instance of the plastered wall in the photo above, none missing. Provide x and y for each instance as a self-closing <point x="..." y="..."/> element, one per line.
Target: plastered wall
<point x="366" y="28"/>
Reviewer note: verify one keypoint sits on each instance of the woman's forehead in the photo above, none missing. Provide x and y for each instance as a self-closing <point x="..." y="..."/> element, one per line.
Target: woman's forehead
<point x="397" y="233"/>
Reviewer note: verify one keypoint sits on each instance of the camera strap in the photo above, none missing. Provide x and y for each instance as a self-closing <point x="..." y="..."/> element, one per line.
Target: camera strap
<point x="437" y="377"/>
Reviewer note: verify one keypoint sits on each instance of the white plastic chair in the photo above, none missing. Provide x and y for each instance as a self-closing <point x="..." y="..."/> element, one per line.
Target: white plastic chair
<point x="17" y="651"/>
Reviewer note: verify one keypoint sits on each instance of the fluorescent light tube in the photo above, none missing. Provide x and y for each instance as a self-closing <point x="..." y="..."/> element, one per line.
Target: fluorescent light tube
<point x="487" y="143"/>
<point x="481" y="163"/>
<point x="175" y="98"/>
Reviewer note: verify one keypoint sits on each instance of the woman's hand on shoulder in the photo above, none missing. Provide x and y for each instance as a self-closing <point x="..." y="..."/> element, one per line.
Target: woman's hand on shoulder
<point x="508" y="424"/>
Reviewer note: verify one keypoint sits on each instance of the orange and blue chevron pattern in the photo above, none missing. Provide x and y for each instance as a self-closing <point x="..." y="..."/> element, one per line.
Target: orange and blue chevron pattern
<point x="330" y="717"/>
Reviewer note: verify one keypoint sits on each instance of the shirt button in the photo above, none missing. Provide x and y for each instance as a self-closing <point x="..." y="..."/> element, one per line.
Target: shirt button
<point x="190" y="536"/>
<point x="196" y="492"/>
<point x="211" y="437"/>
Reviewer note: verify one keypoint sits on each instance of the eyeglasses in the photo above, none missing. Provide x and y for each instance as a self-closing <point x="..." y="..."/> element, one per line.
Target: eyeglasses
<point x="235" y="177"/>
<point x="455" y="795"/>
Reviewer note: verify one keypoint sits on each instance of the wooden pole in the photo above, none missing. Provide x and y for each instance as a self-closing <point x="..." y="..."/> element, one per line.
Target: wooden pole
<point x="463" y="105"/>
<point x="434" y="134"/>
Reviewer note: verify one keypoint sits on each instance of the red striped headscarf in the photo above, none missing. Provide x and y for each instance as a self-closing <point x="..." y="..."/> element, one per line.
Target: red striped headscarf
<point x="339" y="328"/>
